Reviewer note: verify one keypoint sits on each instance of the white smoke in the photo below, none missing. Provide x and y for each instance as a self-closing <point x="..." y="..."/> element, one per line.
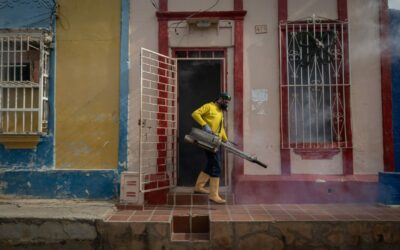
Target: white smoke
<point x="394" y="4"/>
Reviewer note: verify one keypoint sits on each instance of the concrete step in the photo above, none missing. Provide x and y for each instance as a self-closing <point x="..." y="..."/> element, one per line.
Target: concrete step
<point x="190" y="198"/>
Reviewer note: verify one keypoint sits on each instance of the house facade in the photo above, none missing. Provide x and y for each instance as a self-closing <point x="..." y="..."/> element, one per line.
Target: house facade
<point x="310" y="81"/>
<point x="60" y="82"/>
<point x="311" y="87"/>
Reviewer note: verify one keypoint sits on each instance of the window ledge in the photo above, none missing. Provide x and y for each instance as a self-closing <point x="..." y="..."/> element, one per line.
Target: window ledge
<point x="19" y="141"/>
<point x="317" y="154"/>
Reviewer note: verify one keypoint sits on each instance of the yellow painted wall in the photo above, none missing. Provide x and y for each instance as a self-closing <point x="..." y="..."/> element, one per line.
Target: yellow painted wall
<point x="87" y="84"/>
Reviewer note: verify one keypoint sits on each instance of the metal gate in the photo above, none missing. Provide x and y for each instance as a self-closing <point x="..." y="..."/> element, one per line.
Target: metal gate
<point x="158" y="121"/>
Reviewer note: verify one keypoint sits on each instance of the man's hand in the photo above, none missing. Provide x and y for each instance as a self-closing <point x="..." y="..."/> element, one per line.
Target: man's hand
<point x="207" y="129"/>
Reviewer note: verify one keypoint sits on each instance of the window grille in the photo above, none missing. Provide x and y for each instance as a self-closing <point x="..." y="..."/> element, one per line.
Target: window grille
<point x="315" y="86"/>
<point x="24" y="82"/>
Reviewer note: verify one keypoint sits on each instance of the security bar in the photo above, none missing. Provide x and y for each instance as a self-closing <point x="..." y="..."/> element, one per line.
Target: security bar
<point x="24" y="82"/>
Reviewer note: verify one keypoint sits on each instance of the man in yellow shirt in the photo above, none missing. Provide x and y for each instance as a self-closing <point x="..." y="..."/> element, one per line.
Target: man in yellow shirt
<point x="211" y="118"/>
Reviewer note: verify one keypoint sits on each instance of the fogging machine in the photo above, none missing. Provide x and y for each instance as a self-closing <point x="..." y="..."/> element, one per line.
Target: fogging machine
<point x="212" y="142"/>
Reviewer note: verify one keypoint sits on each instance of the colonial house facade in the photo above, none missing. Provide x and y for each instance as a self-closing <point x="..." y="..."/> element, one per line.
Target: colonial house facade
<point x="113" y="85"/>
<point x="60" y="81"/>
<point x="311" y="87"/>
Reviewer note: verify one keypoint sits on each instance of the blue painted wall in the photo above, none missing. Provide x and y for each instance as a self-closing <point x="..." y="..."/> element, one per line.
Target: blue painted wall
<point x="395" y="38"/>
<point x="60" y="184"/>
<point x="31" y="173"/>
<point x="389" y="182"/>
<point x="27" y="13"/>
<point x="124" y="88"/>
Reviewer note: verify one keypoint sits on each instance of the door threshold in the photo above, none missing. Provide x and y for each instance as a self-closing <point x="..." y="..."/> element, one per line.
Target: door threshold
<point x="183" y="189"/>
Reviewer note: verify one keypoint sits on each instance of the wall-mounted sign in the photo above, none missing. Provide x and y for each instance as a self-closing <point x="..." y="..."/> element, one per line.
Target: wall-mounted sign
<point x="261" y="29"/>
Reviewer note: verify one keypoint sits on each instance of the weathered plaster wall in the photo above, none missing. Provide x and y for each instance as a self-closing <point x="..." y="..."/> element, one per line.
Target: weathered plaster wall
<point x="366" y="86"/>
<point x="261" y="87"/>
<point x="184" y="5"/>
<point x="299" y="9"/>
<point x="365" y="92"/>
<point x="88" y="43"/>
<point x="180" y="35"/>
<point x="99" y="184"/>
<point x="261" y="77"/>
<point x="143" y="33"/>
<point x="31" y="173"/>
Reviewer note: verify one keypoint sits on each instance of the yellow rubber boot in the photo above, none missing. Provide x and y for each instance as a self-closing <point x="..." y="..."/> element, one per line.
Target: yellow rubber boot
<point x="214" y="188"/>
<point x="201" y="182"/>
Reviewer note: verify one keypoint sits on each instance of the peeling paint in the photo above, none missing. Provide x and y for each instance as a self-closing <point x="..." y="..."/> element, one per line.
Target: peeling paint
<point x="29" y="159"/>
<point x="122" y="166"/>
<point x="100" y="184"/>
<point x="259" y="98"/>
<point x="3" y="186"/>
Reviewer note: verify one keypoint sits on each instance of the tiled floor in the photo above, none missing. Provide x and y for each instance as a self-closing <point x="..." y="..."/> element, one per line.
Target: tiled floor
<point x="261" y="212"/>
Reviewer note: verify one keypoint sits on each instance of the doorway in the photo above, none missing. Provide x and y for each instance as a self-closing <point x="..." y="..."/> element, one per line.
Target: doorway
<point x="200" y="80"/>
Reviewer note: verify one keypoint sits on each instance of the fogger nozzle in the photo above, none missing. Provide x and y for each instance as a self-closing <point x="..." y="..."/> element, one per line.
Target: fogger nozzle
<point x="212" y="142"/>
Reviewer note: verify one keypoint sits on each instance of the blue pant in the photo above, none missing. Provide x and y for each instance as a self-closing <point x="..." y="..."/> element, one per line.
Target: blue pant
<point x="213" y="167"/>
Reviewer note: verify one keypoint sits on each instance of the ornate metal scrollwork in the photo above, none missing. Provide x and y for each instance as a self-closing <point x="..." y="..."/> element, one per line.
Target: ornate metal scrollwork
<point x="316" y="44"/>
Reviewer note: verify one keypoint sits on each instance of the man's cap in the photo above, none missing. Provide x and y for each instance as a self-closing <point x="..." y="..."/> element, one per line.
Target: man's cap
<point x="225" y="96"/>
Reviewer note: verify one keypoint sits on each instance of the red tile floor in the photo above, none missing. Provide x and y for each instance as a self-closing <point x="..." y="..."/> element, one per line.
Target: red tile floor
<point x="260" y="212"/>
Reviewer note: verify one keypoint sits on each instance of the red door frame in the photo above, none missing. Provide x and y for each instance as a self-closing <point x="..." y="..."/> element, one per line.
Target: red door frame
<point x="224" y="76"/>
<point x="163" y="16"/>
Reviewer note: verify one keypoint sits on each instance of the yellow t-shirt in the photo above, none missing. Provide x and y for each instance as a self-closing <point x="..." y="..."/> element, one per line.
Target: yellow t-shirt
<point x="212" y="115"/>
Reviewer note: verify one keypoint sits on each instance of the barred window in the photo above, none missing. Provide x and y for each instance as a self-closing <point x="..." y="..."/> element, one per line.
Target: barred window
<point x="24" y="82"/>
<point x="315" y="86"/>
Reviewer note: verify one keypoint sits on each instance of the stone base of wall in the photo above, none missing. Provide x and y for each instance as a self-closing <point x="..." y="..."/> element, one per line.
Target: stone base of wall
<point x="306" y="189"/>
<point x="305" y="235"/>
<point x="86" y="234"/>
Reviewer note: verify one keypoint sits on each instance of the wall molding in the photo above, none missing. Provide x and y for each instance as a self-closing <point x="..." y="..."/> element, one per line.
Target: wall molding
<point x="19" y="141"/>
<point x="181" y="15"/>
